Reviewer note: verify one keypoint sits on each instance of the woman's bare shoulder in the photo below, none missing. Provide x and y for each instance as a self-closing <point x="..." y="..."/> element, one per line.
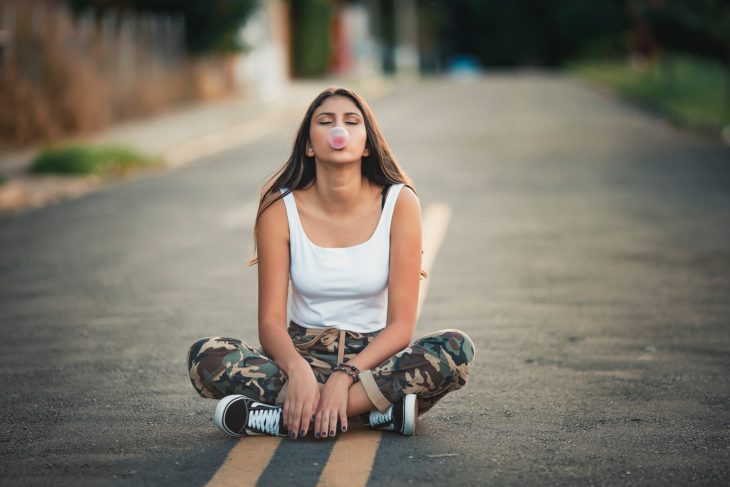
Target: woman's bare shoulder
<point x="273" y="221"/>
<point x="407" y="197"/>
<point x="407" y="207"/>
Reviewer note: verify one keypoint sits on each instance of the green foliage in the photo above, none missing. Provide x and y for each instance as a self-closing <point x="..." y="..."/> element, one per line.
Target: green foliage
<point x="688" y="89"/>
<point x="580" y="27"/>
<point x="387" y="29"/>
<point x="76" y="159"/>
<point x="310" y="20"/>
<point x="210" y="25"/>
<point x="697" y="26"/>
<point x="522" y="31"/>
<point x="543" y="32"/>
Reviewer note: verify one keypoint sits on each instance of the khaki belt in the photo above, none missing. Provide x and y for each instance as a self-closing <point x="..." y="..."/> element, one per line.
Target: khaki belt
<point x="328" y="336"/>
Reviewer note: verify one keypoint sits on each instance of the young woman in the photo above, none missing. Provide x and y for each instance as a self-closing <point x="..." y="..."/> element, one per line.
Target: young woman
<point x="343" y="222"/>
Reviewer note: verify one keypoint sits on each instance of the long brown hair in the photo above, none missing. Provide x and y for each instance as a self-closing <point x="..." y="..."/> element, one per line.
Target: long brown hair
<point x="379" y="166"/>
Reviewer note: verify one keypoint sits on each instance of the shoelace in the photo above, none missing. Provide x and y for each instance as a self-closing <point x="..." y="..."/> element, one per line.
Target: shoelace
<point x="377" y="418"/>
<point x="265" y="420"/>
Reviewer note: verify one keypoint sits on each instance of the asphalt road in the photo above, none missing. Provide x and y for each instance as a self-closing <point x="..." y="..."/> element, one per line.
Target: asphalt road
<point x="587" y="255"/>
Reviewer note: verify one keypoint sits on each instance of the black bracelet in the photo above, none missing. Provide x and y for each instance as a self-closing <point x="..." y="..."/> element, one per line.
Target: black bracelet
<point x="342" y="369"/>
<point x="352" y="367"/>
<point x="352" y="374"/>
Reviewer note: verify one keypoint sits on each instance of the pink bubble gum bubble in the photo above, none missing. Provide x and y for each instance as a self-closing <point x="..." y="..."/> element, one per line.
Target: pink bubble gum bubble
<point x="338" y="137"/>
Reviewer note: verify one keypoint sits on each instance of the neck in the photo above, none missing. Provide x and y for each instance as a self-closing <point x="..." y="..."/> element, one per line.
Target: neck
<point x="340" y="188"/>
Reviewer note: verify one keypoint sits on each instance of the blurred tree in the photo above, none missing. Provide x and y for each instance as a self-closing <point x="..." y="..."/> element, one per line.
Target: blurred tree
<point x="386" y="20"/>
<point x="699" y="27"/>
<point x="499" y="33"/>
<point x="210" y="25"/>
<point x="432" y="22"/>
<point x="577" y="27"/>
<point x="537" y="32"/>
<point x="311" y="24"/>
<point x="693" y="26"/>
<point x="551" y="32"/>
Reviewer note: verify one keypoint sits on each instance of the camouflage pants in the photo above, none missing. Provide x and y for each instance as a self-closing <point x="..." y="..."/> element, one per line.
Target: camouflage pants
<point x="430" y="367"/>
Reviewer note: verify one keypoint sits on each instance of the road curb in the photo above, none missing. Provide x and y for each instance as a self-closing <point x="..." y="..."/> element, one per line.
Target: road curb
<point x="24" y="191"/>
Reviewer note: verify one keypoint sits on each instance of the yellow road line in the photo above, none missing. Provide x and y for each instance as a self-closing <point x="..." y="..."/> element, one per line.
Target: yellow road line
<point x="435" y="220"/>
<point x="245" y="462"/>
<point x="352" y="458"/>
<point x="353" y="455"/>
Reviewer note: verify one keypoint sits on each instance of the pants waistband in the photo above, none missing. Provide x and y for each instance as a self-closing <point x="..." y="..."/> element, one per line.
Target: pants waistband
<point x="327" y="336"/>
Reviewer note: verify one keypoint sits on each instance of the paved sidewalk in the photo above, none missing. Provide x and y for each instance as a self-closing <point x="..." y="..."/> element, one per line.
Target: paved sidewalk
<point x="179" y="136"/>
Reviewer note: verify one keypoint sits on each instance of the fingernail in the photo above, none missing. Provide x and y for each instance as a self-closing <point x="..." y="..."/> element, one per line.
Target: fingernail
<point x="344" y="428"/>
<point x="324" y="434"/>
<point x="301" y="433"/>
<point x="332" y="433"/>
<point x="316" y="434"/>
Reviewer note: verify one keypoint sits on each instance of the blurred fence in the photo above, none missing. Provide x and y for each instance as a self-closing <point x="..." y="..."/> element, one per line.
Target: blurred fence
<point x="62" y="75"/>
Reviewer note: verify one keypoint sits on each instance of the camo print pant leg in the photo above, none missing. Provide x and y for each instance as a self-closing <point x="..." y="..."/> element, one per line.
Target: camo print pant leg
<point x="220" y="366"/>
<point x="431" y="367"/>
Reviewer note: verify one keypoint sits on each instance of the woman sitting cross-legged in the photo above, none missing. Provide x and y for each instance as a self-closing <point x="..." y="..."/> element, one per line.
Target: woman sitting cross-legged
<point x="342" y="221"/>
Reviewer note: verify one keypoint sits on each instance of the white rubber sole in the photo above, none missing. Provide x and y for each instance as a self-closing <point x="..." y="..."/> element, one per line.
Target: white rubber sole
<point x="220" y="413"/>
<point x="411" y="413"/>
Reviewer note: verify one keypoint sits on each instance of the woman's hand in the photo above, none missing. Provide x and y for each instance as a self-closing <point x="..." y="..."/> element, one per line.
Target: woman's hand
<point x="332" y="404"/>
<point x="302" y="397"/>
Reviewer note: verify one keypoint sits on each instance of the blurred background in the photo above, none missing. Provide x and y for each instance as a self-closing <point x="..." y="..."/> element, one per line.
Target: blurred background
<point x="572" y="161"/>
<point x="76" y="66"/>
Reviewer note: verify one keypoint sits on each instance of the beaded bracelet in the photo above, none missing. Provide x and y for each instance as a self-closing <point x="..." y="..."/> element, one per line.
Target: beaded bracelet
<point x="346" y="371"/>
<point x="352" y="367"/>
<point x="349" y="372"/>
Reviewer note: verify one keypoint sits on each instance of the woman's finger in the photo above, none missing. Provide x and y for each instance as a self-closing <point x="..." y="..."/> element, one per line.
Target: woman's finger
<point x="333" y="423"/>
<point x="343" y="419"/>
<point x="290" y="418"/>
<point x="296" y="420"/>
<point x="324" y="420"/>
<point x="307" y="419"/>
<point x="303" y="421"/>
<point x="317" y="424"/>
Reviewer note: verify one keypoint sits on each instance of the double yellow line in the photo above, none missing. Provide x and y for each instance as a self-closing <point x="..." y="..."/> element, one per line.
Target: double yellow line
<point x="352" y="457"/>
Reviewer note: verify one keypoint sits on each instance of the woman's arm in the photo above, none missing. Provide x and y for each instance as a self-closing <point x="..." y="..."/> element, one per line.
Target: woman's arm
<point x="403" y="283"/>
<point x="273" y="284"/>
<point x="302" y="395"/>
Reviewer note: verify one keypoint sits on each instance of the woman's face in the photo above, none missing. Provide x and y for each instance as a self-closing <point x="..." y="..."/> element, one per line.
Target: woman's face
<point x="337" y="111"/>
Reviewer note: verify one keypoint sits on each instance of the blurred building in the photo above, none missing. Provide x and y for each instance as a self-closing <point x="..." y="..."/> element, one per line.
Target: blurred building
<point x="309" y="38"/>
<point x="66" y="71"/>
<point x="264" y="69"/>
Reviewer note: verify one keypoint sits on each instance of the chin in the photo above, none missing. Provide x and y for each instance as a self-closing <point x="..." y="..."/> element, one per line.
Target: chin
<point x="342" y="160"/>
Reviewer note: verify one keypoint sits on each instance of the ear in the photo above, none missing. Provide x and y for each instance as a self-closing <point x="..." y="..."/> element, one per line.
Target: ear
<point x="366" y="152"/>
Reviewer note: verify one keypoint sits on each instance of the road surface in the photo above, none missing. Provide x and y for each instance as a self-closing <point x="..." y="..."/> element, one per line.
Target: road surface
<point x="587" y="254"/>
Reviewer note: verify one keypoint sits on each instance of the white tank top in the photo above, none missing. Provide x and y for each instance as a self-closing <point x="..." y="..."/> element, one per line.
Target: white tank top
<point x="340" y="287"/>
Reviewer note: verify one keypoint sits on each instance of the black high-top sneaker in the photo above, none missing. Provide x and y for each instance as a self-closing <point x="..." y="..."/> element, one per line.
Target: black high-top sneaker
<point x="400" y="417"/>
<point x="238" y="415"/>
